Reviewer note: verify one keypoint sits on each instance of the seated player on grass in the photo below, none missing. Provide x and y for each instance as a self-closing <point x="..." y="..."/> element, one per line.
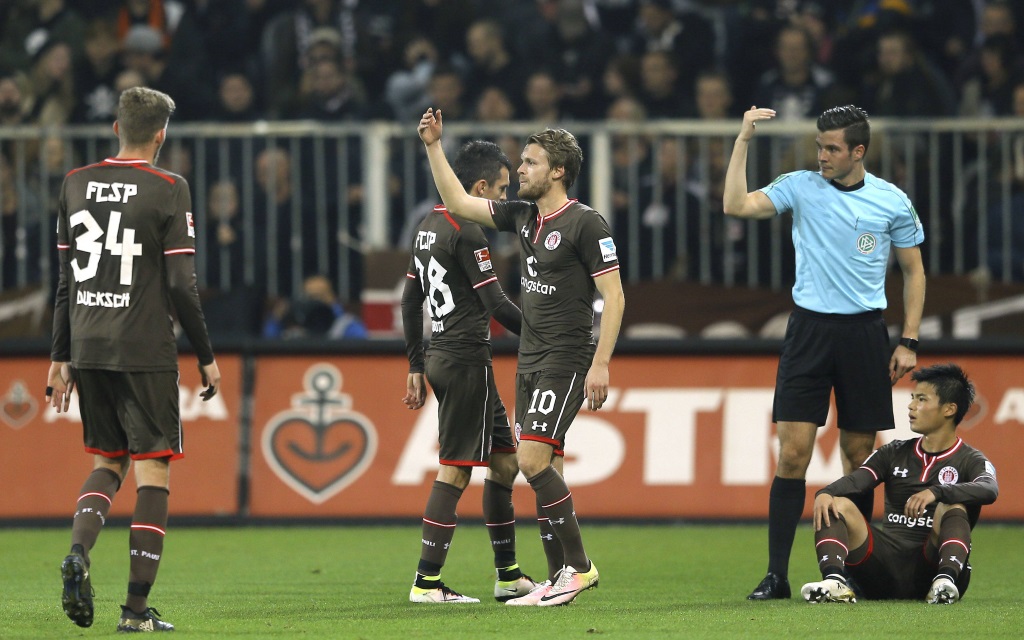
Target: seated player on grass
<point x="935" y="487"/>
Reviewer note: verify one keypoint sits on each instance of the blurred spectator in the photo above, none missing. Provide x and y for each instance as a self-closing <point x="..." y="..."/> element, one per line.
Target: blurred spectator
<point x="364" y="40"/>
<point x="664" y="240"/>
<point x="660" y="92"/>
<point x="1006" y="248"/>
<point x="316" y="312"/>
<point x="144" y="52"/>
<point x="225" y="252"/>
<point x="576" y="56"/>
<point x="494" y="106"/>
<point x="997" y="19"/>
<point x="182" y="43"/>
<point x="443" y="22"/>
<point x="544" y="99"/>
<point x="96" y="75"/>
<point x="407" y="89"/>
<point x="714" y="96"/>
<point x="796" y="87"/>
<point x="331" y="94"/>
<point x="225" y="28"/>
<point x="688" y="38"/>
<point x="447" y="92"/>
<point x="906" y="83"/>
<point x="236" y="99"/>
<point x="948" y="29"/>
<point x="12" y="101"/>
<point x="279" y="224"/>
<point x="858" y="28"/>
<point x="19" y="230"/>
<point x="52" y="89"/>
<point x="990" y="93"/>
<point x="750" y="41"/>
<point x="491" y="63"/>
<point x="29" y="25"/>
<point x="621" y="79"/>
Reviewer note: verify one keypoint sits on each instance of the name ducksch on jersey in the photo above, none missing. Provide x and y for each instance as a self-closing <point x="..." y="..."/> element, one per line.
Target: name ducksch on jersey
<point x="103" y="299"/>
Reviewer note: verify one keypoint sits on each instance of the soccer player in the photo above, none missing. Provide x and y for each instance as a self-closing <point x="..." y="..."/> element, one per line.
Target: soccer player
<point x="845" y="220"/>
<point x="451" y="268"/>
<point x="566" y="254"/>
<point x="126" y="241"/>
<point x="935" y="487"/>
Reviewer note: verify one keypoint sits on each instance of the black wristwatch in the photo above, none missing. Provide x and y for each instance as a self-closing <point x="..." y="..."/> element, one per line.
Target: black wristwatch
<point x="909" y="343"/>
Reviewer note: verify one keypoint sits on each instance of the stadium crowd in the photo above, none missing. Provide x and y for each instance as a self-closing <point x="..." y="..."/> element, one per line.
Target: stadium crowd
<point x="549" y="61"/>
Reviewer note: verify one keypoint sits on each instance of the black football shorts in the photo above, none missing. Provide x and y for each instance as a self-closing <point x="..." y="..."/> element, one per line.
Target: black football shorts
<point x="130" y="413"/>
<point x="546" y="404"/>
<point x="472" y="422"/>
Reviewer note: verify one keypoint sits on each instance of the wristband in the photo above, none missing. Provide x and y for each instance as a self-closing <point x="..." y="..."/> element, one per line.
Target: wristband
<point x="909" y="343"/>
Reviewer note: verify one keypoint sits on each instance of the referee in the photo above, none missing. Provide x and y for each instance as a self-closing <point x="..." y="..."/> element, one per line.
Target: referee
<point x="844" y="222"/>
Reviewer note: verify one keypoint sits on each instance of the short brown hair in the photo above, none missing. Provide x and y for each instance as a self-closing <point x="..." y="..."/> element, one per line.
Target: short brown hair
<point x="563" y="151"/>
<point x="141" y="113"/>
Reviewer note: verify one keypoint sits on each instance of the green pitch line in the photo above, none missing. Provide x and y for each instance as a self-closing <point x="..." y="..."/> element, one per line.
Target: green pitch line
<point x="353" y="582"/>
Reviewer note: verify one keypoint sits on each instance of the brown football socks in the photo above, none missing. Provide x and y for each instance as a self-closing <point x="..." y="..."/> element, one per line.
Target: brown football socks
<point x="91" y="512"/>
<point x="954" y="543"/>
<point x="146" y="542"/>
<point x="439" y="521"/>
<point x="552" y="547"/>
<point x="500" y="518"/>
<point x="556" y="500"/>
<point x="832" y="545"/>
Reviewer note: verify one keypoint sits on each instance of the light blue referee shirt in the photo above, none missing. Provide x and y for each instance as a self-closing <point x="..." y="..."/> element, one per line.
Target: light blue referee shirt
<point x="842" y="238"/>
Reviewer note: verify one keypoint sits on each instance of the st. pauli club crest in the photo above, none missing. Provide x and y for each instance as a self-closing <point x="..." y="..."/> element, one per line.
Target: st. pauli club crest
<point x="320" y="445"/>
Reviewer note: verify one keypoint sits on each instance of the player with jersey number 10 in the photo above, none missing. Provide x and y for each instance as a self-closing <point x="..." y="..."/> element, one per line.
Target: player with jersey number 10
<point x="567" y="255"/>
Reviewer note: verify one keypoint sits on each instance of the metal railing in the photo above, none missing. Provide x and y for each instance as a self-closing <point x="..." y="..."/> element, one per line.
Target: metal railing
<point x="330" y="193"/>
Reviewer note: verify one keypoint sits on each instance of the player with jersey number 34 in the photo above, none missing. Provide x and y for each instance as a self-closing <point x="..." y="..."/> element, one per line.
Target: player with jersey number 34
<point x="567" y="254"/>
<point x="126" y="241"/>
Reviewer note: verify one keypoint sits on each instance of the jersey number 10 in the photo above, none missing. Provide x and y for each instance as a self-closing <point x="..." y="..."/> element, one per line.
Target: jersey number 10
<point x="89" y="243"/>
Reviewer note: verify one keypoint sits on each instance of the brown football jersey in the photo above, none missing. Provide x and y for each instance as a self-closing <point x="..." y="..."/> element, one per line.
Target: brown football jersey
<point x="560" y="255"/>
<point x="119" y="222"/>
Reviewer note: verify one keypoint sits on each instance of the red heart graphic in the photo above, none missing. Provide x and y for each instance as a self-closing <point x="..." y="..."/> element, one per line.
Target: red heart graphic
<point x="318" y="461"/>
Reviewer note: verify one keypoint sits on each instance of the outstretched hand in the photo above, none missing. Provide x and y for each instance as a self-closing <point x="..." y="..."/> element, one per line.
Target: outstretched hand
<point x="430" y="126"/>
<point x="750" y="120"/>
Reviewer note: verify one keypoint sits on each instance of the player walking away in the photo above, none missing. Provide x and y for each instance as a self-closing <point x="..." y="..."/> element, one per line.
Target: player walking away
<point x="566" y="255"/>
<point x="451" y="268"/>
<point x="844" y="222"/>
<point x="935" y="487"/>
<point x="126" y="241"/>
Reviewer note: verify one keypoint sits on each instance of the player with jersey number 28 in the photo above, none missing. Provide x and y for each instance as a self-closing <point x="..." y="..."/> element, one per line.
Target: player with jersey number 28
<point x="935" y="486"/>
<point x="451" y="269"/>
<point x="567" y="254"/>
<point x="126" y="241"/>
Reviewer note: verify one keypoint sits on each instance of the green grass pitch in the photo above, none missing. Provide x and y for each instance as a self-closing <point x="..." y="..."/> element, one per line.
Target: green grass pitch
<point x="346" y="581"/>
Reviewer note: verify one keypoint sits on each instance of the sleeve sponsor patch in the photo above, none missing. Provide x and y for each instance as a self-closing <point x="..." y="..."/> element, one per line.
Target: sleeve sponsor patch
<point x="483" y="258"/>
<point x="990" y="468"/>
<point x="607" y="249"/>
<point x="191" y="224"/>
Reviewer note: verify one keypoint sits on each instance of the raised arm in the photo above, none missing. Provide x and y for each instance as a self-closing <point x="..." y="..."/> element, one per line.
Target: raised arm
<point x="454" y="196"/>
<point x="737" y="201"/>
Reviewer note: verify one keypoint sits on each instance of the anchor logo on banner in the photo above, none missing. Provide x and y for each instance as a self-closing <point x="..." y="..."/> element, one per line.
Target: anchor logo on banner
<point x="320" y="445"/>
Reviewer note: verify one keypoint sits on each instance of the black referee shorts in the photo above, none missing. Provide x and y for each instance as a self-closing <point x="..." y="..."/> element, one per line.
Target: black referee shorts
<point x="847" y="353"/>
